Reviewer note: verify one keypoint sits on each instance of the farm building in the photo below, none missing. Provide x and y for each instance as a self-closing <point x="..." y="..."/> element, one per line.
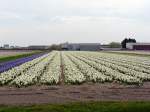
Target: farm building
<point x="138" y="46"/>
<point x="6" y="46"/>
<point x="38" y="47"/>
<point x="81" y="46"/>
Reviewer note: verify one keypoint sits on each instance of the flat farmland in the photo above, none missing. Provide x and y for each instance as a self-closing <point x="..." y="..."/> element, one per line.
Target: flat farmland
<point x="12" y="56"/>
<point x="6" y="53"/>
<point x="68" y="76"/>
<point x="135" y="53"/>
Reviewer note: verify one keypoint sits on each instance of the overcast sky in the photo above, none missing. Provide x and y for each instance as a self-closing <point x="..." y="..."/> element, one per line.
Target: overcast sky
<point x="44" y="22"/>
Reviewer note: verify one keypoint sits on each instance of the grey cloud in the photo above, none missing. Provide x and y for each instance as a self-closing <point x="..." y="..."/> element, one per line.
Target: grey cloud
<point x="54" y="21"/>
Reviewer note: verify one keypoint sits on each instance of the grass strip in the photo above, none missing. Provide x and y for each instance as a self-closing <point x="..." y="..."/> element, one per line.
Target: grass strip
<point x="10" y="58"/>
<point x="82" y="107"/>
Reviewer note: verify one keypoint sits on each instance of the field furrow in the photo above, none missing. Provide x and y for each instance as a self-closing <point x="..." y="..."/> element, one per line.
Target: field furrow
<point x="77" y="67"/>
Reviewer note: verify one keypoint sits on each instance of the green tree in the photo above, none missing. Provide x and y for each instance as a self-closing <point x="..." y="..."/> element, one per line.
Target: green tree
<point x="114" y="45"/>
<point x="127" y="40"/>
<point x="55" y="47"/>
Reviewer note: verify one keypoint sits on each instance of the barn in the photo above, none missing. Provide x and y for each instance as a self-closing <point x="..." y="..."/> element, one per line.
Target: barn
<point x="81" y="46"/>
<point x="138" y="46"/>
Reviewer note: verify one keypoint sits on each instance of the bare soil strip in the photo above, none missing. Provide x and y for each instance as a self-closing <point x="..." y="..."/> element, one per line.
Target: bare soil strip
<point x="73" y="93"/>
<point x="62" y="77"/>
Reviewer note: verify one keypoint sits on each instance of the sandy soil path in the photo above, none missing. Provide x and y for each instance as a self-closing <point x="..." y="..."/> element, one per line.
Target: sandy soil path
<point x="72" y="93"/>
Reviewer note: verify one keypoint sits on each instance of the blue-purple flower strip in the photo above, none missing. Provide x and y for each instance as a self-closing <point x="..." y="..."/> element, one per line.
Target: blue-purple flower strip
<point x="10" y="64"/>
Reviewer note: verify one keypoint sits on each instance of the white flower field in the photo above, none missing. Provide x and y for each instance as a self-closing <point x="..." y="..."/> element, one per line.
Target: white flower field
<point x="77" y="67"/>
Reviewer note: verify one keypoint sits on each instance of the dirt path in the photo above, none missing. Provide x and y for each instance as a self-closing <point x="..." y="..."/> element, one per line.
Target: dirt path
<point x="73" y="93"/>
<point x="62" y="77"/>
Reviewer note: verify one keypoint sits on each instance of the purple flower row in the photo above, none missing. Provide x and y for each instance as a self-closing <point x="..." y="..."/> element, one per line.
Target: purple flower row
<point x="10" y="64"/>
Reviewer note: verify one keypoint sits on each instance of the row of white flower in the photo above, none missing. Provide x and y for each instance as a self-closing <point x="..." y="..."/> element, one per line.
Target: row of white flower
<point x="132" y="52"/>
<point x="108" y="71"/>
<point x="53" y="72"/>
<point x="11" y="74"/>
<point x="124" y="70"/>
<point x="90" y="73"/>
<point x="121" y="62"/>
<point x="140" y="61"/>
<point x="33" y="74"/>
<point x="45" y="69"/>
<point x="78" y="67"/>
<point x="72" y="74"/>
<point x="133" y="60"/>
<point x="126" y="65"/>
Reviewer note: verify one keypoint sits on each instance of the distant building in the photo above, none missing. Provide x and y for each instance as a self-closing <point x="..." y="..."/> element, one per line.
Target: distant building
<point x="81" y="46"/>
<point x="12" y="47"/>
<point x="138" y="46"/>
<point x="38" y="47"/>
<point x="6" y="46"/>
